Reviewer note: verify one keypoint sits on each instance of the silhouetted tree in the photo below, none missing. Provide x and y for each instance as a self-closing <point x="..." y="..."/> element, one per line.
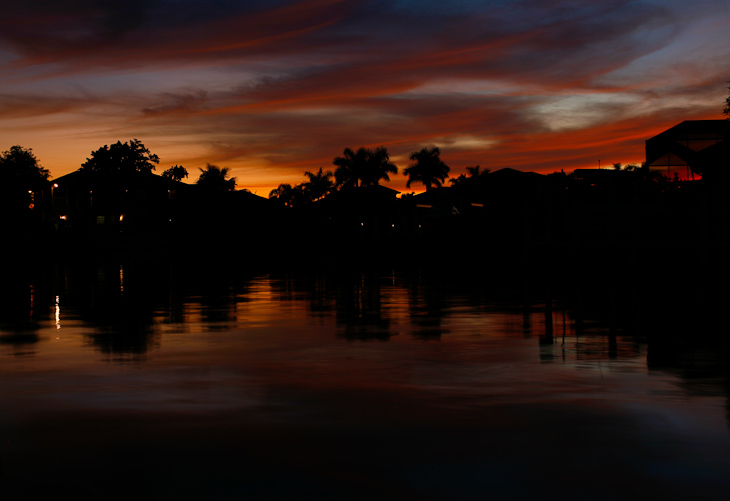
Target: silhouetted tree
<point x="472" y="176"/>
<point x="176" y="173"/>
<point x="22" y="180"/>
<point x="319" y="184"/>
<point x="477" y="171"/>
<point x="378" y="166"/>
<point x="363" y="167"/>
<point x="350" y="167"/>
<point x="289" y="195"/>
<point x="726" y="109"/>
<point x="427" y="168"/>
<point x="216" y="178"/>
<point x="121" y="158"/>
<point x="20" y="168"/>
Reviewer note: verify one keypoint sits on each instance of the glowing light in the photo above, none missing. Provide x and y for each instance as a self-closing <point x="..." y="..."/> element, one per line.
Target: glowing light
<point x="58" y="314"/>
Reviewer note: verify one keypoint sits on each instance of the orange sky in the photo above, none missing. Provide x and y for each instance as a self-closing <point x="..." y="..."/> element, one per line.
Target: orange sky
<point x="274" y="88"/>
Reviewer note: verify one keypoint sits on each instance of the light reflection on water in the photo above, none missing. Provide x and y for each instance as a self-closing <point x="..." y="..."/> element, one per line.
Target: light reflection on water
<point x="314" y="386"/>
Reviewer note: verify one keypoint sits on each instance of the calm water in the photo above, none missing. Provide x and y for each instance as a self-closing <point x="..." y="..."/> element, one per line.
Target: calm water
<point x="120" y="381"/>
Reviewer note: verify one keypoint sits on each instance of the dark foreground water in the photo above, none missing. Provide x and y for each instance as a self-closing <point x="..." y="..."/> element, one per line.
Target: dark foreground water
<point x="118" y="381"/>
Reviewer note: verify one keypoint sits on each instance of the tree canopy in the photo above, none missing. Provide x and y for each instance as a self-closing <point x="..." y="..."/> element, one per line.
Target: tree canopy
<point x="121" y="158"/>
<point x="176" y="173"/>
<point x="216" y="178"/>
<point x="427" y="168"/>
<point x="19" y="168"/>
<point x="726" y="109"/>
<point x="474" y="177"/>
<point x="289" y="195"/>
<point x="364" y="167"/>
<point x="319" y="184"/>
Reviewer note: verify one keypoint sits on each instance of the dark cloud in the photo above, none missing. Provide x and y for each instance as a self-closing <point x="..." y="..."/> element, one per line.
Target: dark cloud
<point x="175" y="103"/>
<point x="557" y="40"/>
<point x="43" y="28"/>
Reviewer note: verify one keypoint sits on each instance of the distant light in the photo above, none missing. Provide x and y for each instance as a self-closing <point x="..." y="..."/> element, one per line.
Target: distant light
<point x="55" y="185"/>
<point x="63" y="217"/>
<point x="58" y="314"/>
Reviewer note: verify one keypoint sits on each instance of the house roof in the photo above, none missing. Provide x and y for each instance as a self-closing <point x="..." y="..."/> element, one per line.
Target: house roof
<point x="509" y="174"/>
<point x="697" y="143"/>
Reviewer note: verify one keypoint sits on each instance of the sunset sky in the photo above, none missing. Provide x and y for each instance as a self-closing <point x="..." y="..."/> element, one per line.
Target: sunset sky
<point x="274" y="88"/>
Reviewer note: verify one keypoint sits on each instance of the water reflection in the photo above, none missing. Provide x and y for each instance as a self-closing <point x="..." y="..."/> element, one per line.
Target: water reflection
<point x="363" y="382"/>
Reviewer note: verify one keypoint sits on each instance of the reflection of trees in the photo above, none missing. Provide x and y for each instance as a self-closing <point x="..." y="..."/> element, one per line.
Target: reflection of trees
<point x="24" y="305"/>
<point x="117" y="300"/>
<point x="217" y="304"/>
<point x="127" y="301"/>
<point x="426" y="304"/>
<point x="359" y="308"/>
<point x="354" y="296"/>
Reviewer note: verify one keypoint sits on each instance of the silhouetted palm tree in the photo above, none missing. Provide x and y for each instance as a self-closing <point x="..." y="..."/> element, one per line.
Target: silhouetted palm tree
<point x="351" y="167"/>
<point x="477" y="171"/>
<point x="216" y="178"/>
<point x="363" y="167"/>
<point x="427" y="168"/>
<point x="319" y="184"/>
<point x="289" y="195"/>
<point x="379" y="166"/>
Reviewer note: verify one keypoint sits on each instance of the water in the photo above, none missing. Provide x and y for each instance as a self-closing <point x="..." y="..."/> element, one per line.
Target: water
<point x="119" y="380"/>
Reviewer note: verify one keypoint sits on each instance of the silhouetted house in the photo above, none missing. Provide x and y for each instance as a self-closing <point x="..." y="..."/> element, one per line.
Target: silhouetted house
<point x="436" y="210"/>
<point x="515" y="205"/>
<point x="24" y="208"/>
<point x="693" y="147"/>
<point x="356" y="212"/>
<point x="440" y="202"/>
<point x="595" y="177"/>
<point x="233" y="215"/>
<point x="86" y="202"/>
<point x="147" y="204"/>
